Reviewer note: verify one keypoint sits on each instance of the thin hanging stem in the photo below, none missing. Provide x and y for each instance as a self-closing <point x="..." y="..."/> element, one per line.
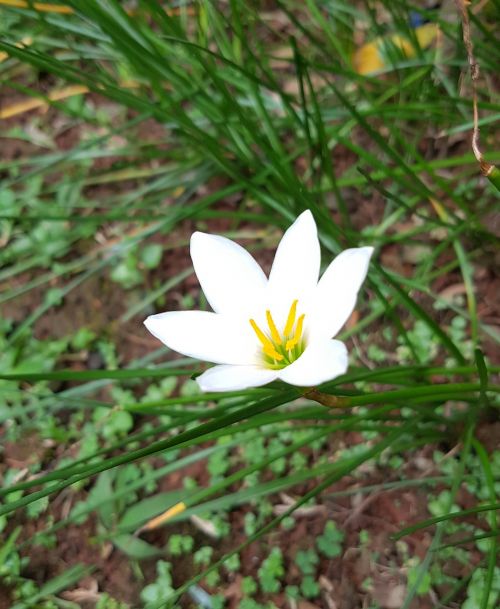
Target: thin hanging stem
<point x="487" y="169"/>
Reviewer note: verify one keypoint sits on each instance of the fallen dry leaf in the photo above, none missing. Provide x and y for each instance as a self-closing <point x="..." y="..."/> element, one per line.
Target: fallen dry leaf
<point x="389" y="595"/>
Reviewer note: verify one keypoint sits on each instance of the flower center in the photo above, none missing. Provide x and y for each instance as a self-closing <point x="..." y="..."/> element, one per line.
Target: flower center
<point x="280" y="350"/>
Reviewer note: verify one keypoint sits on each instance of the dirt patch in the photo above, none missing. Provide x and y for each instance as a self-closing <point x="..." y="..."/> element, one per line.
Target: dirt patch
<point x="6" y="599"/>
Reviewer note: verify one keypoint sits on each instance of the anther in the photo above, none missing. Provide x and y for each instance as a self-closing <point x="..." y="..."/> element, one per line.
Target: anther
<point x="266" y="343"/>
<point x="272" y="327"/>
<point x="290" y="344"/>
<point x="272" y="353"/>
<point x="291" y="318"/>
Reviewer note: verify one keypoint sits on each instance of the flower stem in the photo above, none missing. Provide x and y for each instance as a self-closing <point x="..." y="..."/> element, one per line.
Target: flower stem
<point x="325" y="399"/>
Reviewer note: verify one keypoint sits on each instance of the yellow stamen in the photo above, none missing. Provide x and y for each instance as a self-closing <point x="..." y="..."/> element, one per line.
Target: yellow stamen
<point x="272" y="327"/>
<point x="266" y="343"/>
<point x="290" y="344"/>
<point x="280" y="348"/>
<point x="291" y="318"/>
<point x="272" y="353"/>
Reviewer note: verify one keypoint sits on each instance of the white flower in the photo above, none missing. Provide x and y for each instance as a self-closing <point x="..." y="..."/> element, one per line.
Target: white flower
<point x="267" y="329"/>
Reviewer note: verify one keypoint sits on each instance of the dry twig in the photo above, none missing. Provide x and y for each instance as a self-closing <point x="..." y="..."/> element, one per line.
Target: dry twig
<point x="487" y="169"/>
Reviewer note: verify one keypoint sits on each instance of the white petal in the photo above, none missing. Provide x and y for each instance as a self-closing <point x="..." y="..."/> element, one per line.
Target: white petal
<point x="336" y="293"/>
<point x="295" y="269"/>
<point x="230" y="278"/>
<point x="206" y="336"/>
<point x="321" y="361"/>
<point x="232" y="378"/>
